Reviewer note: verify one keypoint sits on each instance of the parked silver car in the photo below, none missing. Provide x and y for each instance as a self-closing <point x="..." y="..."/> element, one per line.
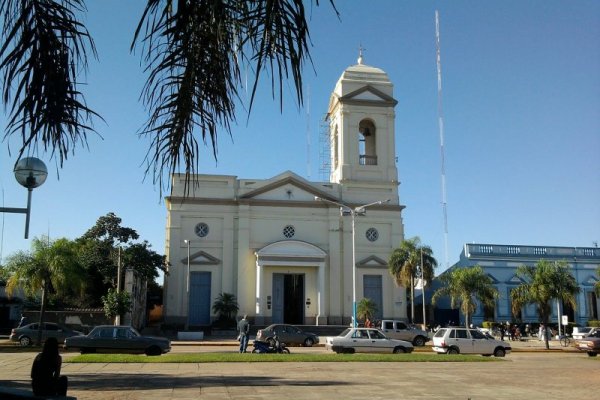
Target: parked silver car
<point x="366" y="340"/>
<point x="27" y="334"/>
<point x="118" y="339"/>
<point x="402" y="331"/>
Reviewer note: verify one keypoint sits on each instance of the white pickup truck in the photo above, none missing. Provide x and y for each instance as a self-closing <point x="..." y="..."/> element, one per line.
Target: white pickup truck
<point x="403" y="331"/>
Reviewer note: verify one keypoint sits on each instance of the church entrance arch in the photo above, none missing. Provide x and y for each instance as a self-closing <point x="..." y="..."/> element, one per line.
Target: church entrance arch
<point x="290" y="282"/>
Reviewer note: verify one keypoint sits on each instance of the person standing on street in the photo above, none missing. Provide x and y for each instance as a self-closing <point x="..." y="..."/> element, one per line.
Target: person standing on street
<point x="243" y="330"/>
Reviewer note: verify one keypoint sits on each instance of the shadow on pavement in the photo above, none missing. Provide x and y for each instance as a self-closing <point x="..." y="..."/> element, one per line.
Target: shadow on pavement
<point x="122" y="381"/>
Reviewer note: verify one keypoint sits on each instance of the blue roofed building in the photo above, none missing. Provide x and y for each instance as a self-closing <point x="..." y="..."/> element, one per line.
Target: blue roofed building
<point x="500" y="262"/>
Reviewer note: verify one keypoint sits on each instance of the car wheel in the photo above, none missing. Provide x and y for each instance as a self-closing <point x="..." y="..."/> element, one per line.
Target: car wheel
<point x="592" y="354"/>
<point x="349" y="350"/>
<point x="499" y="352"/>
<point x="271" y="342"/>
<point x="286" y="350"/>
<point x="153" y="351"/>
<point x="308" y="342"/>
<point x="25" y="341"/>
<point x="452" y="350"/>
<point x="399" y="350"/>
<point x="419" y="341"/>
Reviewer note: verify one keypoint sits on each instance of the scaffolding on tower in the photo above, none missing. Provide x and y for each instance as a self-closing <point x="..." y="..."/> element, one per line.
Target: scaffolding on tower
<point x="324" y="149"/>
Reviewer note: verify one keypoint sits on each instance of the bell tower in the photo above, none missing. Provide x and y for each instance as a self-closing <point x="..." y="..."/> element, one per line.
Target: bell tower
<point x="361" y="126"/>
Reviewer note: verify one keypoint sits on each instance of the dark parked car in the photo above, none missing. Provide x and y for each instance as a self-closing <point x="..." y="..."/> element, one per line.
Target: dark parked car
<point x="118" y="339"/>
<point x="590" y="344"/>
<point x="288" y="334"/>
<point x="28" y="334"/>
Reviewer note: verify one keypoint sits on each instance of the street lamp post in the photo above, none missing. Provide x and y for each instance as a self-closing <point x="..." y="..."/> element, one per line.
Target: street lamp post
<point x="30" y="172"/>
<point x="187" y="285"/>
<point x="360" y="210"/>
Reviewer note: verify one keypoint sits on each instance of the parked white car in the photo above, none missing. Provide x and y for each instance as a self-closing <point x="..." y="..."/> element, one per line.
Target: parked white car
<point x="583" y="332"/>
<point x="455" y="340"/>
<point x="366" y="340"/>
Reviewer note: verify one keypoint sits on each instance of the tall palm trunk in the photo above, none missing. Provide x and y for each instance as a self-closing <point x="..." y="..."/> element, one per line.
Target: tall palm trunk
<point x="412" y="300"/>
<point x="42" y="312"/>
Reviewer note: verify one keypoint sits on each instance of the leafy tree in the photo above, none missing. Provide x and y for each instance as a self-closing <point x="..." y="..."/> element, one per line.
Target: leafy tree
<point x="226" y="306"/>
<point x="545" y="282"/>
<point x="466" y="286"/>
<point x="107" y="243"/>
<point x="116" y="303"/>
<point x="50" y="267"/>
<point x="403" y="262"/>
<point x="366" y="308"/>
<point x="143" y="260"/>
<point x="108" y="229"/>
<point x="194" y="53"/>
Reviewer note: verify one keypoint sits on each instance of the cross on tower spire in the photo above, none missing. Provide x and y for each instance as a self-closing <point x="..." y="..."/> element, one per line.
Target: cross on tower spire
<point x="360" y="54"/>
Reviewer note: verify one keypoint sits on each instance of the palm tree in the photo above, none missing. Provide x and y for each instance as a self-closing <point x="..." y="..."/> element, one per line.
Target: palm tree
<point x="543" y="283"/>
<point x="366" y="309"/>
<point x="226" y="306"/>
<point x="51" y="266"/>
<point x="195" y="54"/>
<point x="466" y="286"/>
<point x="403" y="263"/>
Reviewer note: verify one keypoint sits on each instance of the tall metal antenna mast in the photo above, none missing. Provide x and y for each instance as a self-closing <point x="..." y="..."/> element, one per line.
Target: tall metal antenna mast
<point x="441" y="127"/>
<point x="308" y="133"/>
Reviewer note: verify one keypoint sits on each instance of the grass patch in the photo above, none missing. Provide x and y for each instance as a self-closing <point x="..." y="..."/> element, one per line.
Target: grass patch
<point x="248" y="357"/>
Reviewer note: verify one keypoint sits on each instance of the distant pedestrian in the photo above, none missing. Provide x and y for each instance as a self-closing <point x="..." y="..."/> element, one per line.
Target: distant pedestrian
<point x="45" y="371"/>
<point x="243" y="330"/>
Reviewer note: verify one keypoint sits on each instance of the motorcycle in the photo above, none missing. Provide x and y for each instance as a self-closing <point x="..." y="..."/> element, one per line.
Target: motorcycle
<point x="275" y="347"/>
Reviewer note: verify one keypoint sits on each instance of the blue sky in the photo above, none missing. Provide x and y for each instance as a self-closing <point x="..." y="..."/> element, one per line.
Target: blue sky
<point x="521" y="98"/>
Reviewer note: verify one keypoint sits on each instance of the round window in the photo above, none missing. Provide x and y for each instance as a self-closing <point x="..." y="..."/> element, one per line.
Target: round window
<point x="372" y="234"/>
<point x="289" y="231"/>
<point x="201" y="229"/>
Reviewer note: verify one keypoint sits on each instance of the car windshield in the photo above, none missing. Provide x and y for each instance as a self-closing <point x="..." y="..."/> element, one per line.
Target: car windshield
<point x="440" y="333"/>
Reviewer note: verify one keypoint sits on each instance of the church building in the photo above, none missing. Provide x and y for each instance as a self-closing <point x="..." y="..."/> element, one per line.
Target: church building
<point x="292" y="250"/>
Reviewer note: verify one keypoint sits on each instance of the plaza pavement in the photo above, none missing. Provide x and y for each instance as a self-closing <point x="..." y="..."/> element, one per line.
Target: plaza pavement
<point x="529" y="372"/>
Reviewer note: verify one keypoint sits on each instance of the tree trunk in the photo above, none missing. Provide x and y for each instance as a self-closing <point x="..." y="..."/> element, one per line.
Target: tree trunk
<point x="412" y="300"/>
<point x="42" y="312"/>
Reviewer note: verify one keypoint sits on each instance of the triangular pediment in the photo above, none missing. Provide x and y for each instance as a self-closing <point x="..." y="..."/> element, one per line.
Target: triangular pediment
<point x="494" y="280"/>
<point x="515" y="280"/>
<point x="372" y="262"/>
<point x="368" y="94"/>
<point x="286" y="186"/>
<point x="201" y="258"/>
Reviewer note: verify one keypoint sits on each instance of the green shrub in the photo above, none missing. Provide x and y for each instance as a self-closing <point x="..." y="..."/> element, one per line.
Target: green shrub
<point x="593" y="322"/>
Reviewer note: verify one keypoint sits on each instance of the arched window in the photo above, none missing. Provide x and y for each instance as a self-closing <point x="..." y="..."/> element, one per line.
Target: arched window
<point x="366" y="145"/>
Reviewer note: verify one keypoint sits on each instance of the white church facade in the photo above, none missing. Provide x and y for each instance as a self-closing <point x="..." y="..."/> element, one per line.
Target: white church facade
<point x="282" y="245"/>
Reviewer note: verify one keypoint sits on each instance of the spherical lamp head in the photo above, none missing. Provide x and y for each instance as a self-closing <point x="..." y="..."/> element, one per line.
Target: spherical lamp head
<point x="31" y="172"/>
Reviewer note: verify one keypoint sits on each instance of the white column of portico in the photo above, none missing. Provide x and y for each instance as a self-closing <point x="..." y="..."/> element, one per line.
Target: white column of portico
<point x="321" y="298"/>
<point x="258" y="289"/>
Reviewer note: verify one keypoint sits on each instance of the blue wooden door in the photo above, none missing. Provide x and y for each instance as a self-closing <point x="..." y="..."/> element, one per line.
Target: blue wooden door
<point x="372" y="290"/>
<point x="278" y="298"/>
<point x="199" y="301"/>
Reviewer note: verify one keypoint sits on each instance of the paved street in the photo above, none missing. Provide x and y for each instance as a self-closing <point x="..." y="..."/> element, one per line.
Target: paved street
<point x="521" y="375"/>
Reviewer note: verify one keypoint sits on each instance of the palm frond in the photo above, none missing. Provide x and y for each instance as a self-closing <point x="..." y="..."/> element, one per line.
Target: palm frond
<point x="193" y="52"/>
<point x="44" y="51"/>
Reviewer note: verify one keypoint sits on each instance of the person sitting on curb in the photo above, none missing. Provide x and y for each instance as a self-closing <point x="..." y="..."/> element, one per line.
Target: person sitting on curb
<point x="45" y="371"/>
